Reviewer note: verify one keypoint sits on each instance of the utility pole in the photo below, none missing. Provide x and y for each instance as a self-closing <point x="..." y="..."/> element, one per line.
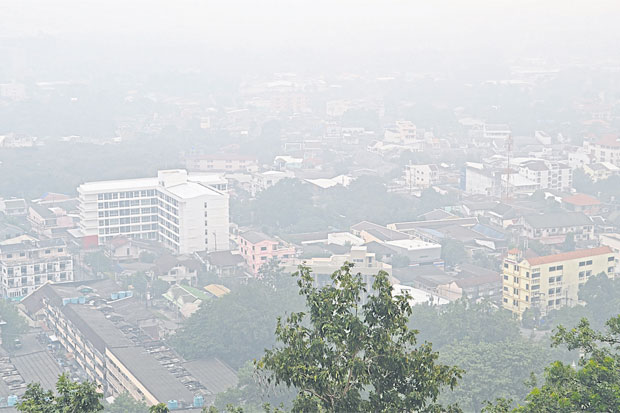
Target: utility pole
<point x="508" y="169"/>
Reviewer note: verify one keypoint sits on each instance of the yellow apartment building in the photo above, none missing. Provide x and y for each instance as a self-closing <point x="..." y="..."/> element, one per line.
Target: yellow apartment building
<point x="552" y="281"/>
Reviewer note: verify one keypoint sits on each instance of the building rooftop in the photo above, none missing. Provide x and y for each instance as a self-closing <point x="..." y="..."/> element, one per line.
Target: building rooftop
<point x="119" y="185"/>
<point x="581" y="200"/>
<point x="225" y="157"/>
<point x="557" y="219"/>
<point x="380" y="232"/>
<point x="434" y="224"/>
<point x="573" y="255"/>
<point x="212" y="373"/>
<point x="255" y="237"/>
<point x="190" y="190"/>
<point x="155" y="377"/>
<point x="412" y="244"/>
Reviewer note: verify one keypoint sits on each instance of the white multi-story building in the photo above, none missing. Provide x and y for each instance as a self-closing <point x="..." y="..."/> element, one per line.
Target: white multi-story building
<point x="606" y="149"/>
<point x="26" y="266"/>
<point x="182" y="213"/>
<point x="548" y="175"/>
<point x="421" y="176"/>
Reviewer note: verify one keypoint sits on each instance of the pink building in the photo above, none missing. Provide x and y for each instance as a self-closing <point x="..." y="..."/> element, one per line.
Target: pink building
<point x="258" y="249"/>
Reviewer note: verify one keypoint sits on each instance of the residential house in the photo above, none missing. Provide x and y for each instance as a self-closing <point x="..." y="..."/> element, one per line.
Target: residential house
<point x="552" y="227"/>
<point x="13" y="207"/>
<point x="50" y="222"/>
<point x="224" y="263"/>
<point x="582" y="203"/>
<point x="600" y="171"/>
<point x="259" y="249"/>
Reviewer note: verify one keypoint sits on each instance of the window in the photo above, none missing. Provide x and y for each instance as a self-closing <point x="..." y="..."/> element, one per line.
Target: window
<point x="582" y="274"/>
<point x="505" y="300"/>
<point x="47" y="251"/>
<point x="550" y="303"/>
<point x="551" y="280"/>
<point x="505" y="265"/>
<point x="515" y="291"/>
<point x="559" y="267"/>
<point x="610" y="259"/>
<point x="610" y="269"/>
<point x="551" y="269"/>
<point x="589" y="262"/>
<point x="551" y="291"/>
<point x="263" y="248"/>
<point x="9" y="255"/>
<point x="516" y="280"/>
<point x="506" y="277"/>
<point x="506" y="289"/>
<point x="558" y="278"/>
<point x="582" y="264"/>
<point x="588" y="273"/>
<point x="536" y="275"/>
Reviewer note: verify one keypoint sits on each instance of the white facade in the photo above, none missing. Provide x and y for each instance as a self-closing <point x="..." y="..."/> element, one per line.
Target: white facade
<point x="548" y="175"/>
<point x="480" y="180"/>
<point x="606" y="149"/>
<point x="26" y="266"/>
<point x="184" y="215"/>
<point x="405" y="133"/>
<point x="421" y="176"/>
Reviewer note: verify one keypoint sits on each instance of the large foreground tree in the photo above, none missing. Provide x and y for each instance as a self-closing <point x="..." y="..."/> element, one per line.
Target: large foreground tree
<point x="592" y="386"/>
<point x="353" y="351"/>
<point x="71" y="397"/>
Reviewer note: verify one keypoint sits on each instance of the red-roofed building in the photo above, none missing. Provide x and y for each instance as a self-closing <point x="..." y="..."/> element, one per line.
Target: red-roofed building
<point x="551" y="281"/>
<point x="582" y="203"/>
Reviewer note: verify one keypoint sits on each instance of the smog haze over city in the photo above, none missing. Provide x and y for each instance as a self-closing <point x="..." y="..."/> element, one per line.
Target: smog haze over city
<point x="309" y="206"/>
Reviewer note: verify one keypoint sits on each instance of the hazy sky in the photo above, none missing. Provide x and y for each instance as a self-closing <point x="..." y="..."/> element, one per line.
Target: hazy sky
<point x="373" y="28"/>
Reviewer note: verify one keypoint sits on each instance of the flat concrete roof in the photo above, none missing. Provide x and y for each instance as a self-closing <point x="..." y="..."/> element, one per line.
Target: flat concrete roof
<point x="119" y="185"/>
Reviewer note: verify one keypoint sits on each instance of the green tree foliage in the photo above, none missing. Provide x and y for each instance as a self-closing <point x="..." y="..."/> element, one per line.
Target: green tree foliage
<point x="238" y="326"/>
<point x="252" y="393"/>
<point x="463" y="321"/>
<point x="98" y="262"/>
<point x="486" y="343"/>
<point x="569" y="242"/>
<point x="453" y="252"/>
<point x="159" y="408"/>
<point x="70" y="397"/>
<point x="124" y="403"/>
<point x="492" y="370"/>
<point x="15" y="324"/>
<point x="605" y="189"/>
<point x="345" y="356"/>
<point x="283" y="205"/>
<point x="592" y="386"/>
<point x="293" y="206"/>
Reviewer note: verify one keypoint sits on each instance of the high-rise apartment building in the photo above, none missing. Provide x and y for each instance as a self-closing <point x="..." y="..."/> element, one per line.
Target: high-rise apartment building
<point x="184" y="214"/>
<point x="552" y="281"/>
